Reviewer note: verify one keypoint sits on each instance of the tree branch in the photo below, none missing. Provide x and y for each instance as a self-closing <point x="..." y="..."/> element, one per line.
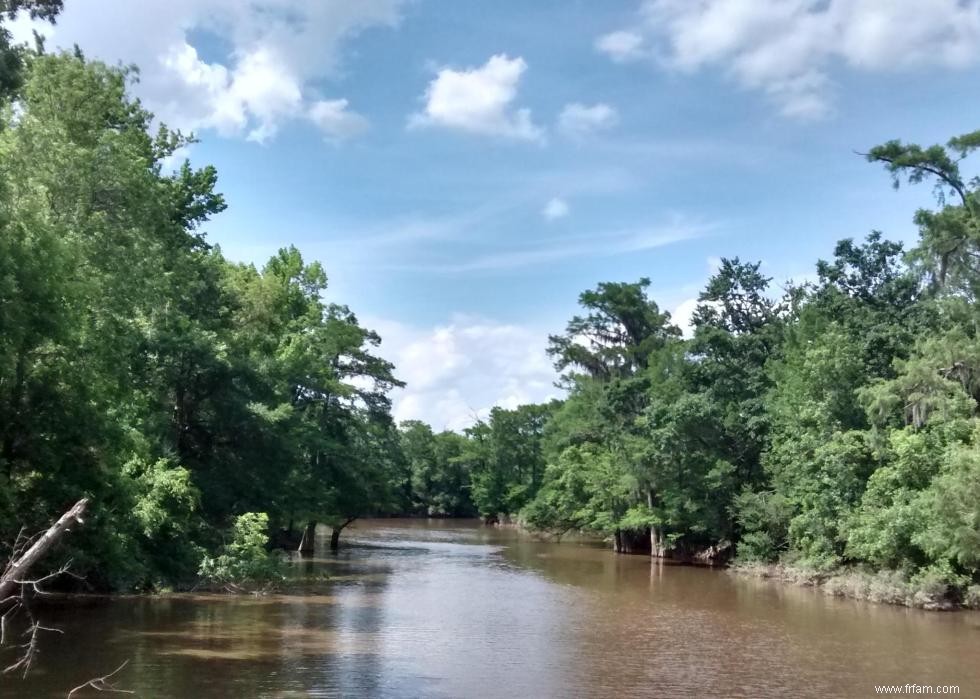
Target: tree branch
<point x="18" y="567"/>
<point x="101" y="684"/>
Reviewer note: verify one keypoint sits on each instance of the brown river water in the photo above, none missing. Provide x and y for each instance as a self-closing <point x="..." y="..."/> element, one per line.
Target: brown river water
<point x="448" y="608"/>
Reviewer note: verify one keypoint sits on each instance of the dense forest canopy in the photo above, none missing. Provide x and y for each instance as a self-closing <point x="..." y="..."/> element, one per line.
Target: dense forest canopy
<point x="196" y="400"/>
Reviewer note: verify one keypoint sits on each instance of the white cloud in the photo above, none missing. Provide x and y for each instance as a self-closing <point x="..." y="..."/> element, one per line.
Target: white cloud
<point x="556" y="208"/>
<point x="335" y="120"/>
<point x="578" y="120"/>
<point x="622" y="46"/>
<point x="259" y="89"/>
<point x="172" y="162"/>
<point x="479" y="100"/>
<point x="683" y="316"/>
<point x="786" y="48"/>
<point x="272" y="52"/>
<point x="455" y="372"/>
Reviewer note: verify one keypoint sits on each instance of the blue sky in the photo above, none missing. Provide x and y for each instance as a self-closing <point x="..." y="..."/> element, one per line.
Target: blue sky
<point x="464" y="170"/>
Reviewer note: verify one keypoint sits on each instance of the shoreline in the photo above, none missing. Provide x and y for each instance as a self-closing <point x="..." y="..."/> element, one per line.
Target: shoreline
<point x="883" y="587"/>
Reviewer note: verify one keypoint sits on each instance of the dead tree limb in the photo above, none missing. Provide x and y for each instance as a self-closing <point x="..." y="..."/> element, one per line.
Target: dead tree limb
<point x="101" y="684"/>
<point x="15" y="572"/>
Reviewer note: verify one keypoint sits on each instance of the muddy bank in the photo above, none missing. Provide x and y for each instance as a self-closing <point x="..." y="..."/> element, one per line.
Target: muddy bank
<point x="881" y="587"/>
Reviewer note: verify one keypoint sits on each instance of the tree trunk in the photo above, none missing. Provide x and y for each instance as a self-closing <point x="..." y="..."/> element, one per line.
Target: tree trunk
<point x="12" y="420"/>
<point x="335" y="534"/>
<point x="635" y="541"/>
<point x="658" y="546"/>
<point x="17" y="570"/>
<point x="306" y="544"/>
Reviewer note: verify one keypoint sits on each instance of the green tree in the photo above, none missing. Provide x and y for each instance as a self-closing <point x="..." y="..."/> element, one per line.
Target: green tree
<point x="13" y="57"/>
<point x="950" y="236"/>
<point x="509" y="466"/>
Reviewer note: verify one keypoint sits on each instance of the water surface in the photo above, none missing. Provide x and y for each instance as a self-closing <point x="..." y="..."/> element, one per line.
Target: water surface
<point x="433" y="608"/>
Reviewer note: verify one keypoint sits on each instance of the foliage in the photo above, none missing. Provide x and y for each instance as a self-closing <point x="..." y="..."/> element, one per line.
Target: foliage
<point x="141" y="368"/>
<point x="438" y="475"/>
<point x="244" y="559"/>
<point x="835" y="426"/>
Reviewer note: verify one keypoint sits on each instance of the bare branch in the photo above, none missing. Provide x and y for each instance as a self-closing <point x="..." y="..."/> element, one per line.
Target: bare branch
<point x="101" y="684"/>
<point x="20" y="565"/>
<point x="30" y="648"/>
<point x="14" y="586"/>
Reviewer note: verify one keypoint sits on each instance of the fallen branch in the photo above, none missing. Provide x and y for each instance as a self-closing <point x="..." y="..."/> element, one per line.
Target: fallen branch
<point x="29" y="649"/>
<point x="14" y="574"/>
<point x="14" y="586"/>
<point x="101" y="684"/>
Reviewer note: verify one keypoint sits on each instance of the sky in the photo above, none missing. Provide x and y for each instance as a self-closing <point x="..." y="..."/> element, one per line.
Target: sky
<point x="463" y="170"/>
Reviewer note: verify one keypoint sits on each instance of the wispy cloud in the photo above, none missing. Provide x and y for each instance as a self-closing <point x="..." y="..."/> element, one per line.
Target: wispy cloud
<point x="578" y="121"/>
<point x="413" y="228"/>
<point x="472" y="221"/>
<point x="604" y="244"/>
<point x="682" y="151"/>
<point x="555" y="209"/>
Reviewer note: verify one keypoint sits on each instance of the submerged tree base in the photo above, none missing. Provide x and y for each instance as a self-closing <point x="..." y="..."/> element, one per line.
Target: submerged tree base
<point x="650" y="542"/>
<point x="881" y="587"/>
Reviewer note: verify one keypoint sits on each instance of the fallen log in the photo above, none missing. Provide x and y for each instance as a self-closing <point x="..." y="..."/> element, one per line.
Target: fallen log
<point x="16" y="571"/>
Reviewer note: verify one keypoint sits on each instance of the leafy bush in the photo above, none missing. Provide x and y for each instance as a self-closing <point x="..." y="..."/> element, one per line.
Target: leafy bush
<point x="245" y="560"/>
<point x="764" y="520"/>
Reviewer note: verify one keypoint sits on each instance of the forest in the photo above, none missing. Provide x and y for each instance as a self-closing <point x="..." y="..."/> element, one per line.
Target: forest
<point x="208" y="408"/>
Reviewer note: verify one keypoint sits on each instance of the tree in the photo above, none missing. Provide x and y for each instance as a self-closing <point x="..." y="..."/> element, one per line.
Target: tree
<point x="737" y="331"/>
<point x="949" y="237"/>
<point x="12" y="57"/>
<point x="617" y="336"/>
<point x="509" y="464"/>
<point x="140" y="368"/>
<point x="440" y="470"/>
<point x="620" y="345"/>
<point x="88" y="220"/>
<point x="688" y="477"/>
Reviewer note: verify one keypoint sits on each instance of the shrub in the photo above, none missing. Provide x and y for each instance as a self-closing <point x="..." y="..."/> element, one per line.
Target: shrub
<point x="245" y="560"/>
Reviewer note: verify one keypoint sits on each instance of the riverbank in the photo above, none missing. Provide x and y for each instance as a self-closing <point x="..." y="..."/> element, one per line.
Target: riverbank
<point x="887" y="587"/>
<point x="449" y="609"/>
<point x="881" y="587"/>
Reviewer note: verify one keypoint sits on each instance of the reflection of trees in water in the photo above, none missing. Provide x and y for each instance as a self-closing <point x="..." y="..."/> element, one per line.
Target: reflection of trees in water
<point x="355" y="659"/>
<point x="582" y="565"/>
<point x="351" y="666"/>
<point x="320" y="640"/>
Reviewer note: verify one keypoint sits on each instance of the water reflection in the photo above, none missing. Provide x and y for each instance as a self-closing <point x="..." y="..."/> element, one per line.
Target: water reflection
<point x="451" y="609"/>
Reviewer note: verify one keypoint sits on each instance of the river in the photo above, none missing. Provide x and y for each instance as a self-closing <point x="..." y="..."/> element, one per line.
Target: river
<point x="414" y="608"/>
